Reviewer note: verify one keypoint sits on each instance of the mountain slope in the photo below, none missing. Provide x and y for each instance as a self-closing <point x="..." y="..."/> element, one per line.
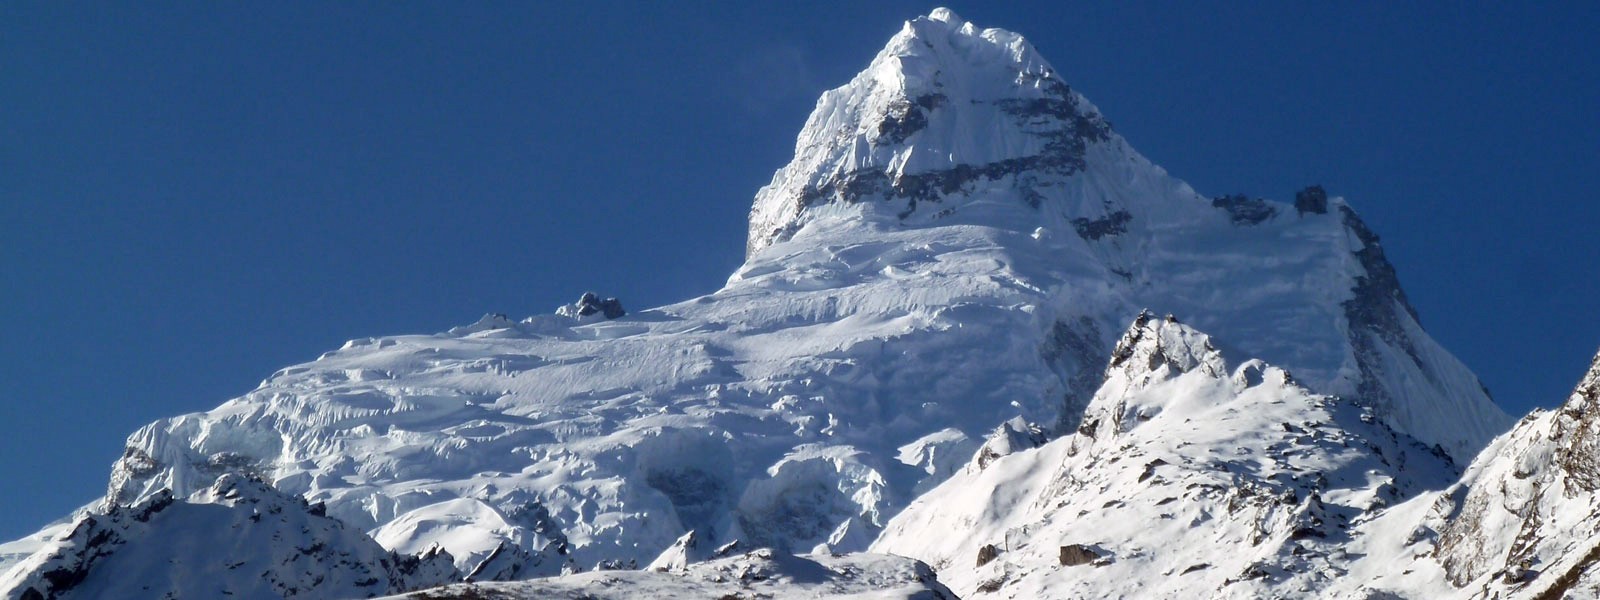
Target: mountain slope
<point x="1523" y="522"/>
<point x="1189" y="477"/>
<point x="956" y="244"/>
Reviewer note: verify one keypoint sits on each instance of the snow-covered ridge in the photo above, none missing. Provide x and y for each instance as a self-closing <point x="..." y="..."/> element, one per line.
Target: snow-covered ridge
<point x="238" y="538"/>
<point x="1189" y="477"/>
<point x="963" y="303"/>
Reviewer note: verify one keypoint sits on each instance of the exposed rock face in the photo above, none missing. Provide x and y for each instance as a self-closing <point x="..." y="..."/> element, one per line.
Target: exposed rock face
<point x="1244" y="210"/>
<point x="1523" y="522"/>
<point x="505" y="563"/>
<point x="1073" y="555"/>
<point x="1377" y="292"/>
<point x="1578" y="425"/>
<point x="987" y="554"/>
<point x="1109" y="225"/>
<point x="1383" y="334"/>
<point x="1313" y="200"/>
<point x="1074" y="351"/>
<point x="590" y="306"/>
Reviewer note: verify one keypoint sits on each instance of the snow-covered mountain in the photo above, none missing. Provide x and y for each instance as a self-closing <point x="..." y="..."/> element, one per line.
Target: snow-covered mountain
<point x="952" y="127"/>
<point x="957" y="247"/>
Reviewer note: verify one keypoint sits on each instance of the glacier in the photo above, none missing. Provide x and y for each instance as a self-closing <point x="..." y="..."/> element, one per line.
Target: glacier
<point x="938" y="277"/>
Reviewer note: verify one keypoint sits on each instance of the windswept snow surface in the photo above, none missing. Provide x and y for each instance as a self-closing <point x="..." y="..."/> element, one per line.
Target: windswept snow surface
<point x="958" y="243"/>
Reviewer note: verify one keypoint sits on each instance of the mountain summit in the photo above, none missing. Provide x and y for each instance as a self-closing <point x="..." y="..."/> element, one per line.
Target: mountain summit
<point x="943" y="108"/>
<point x="940" y="276"/>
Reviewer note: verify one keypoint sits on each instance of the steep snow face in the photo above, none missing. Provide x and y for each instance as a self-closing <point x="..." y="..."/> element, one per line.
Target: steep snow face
<point x="1520" y="524"/>
<point x="239" y="538"/>
<point x="924" y="271"/>
<point x="758" y="574"/>
<point x="1187" y="478"/>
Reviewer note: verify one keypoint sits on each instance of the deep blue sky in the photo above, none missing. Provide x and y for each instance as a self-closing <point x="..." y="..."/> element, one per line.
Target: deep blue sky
<point x="195" y="195"/>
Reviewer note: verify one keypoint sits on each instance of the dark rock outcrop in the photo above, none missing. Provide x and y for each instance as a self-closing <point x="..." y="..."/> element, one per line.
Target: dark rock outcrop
<point x="590" y="305"/>
<point x="987" y="554"/>
<point x="1374" y="309"/>
<point x="907" y="117"/>
<point x="1073" y="555"/>
<point x="1111" y="224"/>
<point x="1244" y="210"/>
<point x="1061" y="118"/>
<point x="1311" y="200"/>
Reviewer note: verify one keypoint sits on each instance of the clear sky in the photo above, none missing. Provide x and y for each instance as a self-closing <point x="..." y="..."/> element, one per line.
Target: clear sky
<point x="193" y="195"/>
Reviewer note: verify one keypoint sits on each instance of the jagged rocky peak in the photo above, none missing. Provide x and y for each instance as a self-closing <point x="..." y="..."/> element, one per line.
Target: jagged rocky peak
<point x="591" y="307"/>
<point x="1155" y="351"/>
<point x="1160" y="348"/>
<point x="944" y="108"/>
